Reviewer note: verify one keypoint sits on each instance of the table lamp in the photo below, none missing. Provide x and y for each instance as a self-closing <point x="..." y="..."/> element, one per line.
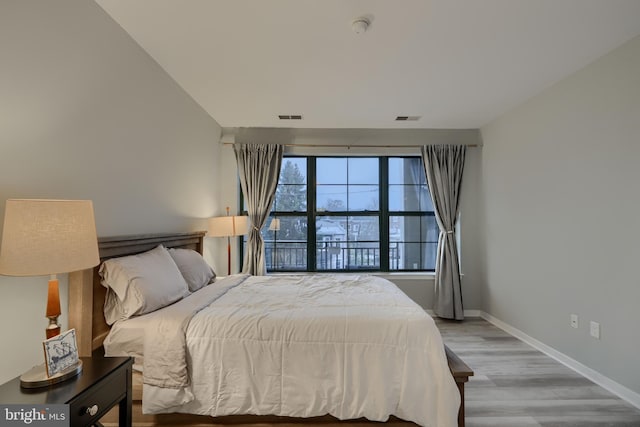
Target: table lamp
<point x="275" y="224"/>
<point x="228" y="226"/>
<point x="48" y="237"/>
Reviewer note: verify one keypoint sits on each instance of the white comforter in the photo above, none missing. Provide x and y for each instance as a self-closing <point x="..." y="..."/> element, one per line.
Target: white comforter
<point x="347" y="345"/>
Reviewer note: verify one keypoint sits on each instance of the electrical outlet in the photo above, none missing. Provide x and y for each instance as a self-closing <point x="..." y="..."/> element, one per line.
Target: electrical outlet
<point x="574" y="321"/>
<point x="595" y="329"/>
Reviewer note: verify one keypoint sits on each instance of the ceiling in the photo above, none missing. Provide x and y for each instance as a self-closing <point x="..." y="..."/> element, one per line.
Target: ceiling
<point x="454" y="63"/>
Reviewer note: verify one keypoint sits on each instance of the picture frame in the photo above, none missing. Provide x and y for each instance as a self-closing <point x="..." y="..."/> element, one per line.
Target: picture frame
<point x="60" y="352"/>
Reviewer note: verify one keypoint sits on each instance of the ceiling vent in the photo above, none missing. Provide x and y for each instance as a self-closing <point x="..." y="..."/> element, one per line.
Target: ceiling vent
<point x="290" y="116"/>
<point x="407" y="118"/>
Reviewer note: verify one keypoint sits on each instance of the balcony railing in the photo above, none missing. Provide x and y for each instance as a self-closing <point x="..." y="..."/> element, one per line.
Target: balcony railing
<point x="286" y="255"/>
<point x="290" y="255"/>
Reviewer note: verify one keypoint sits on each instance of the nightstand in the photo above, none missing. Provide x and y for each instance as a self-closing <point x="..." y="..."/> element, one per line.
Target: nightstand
<point x="103" y="383"/>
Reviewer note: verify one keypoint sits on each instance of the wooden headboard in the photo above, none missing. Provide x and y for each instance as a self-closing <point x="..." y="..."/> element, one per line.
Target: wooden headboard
<point x="87" y="295"/>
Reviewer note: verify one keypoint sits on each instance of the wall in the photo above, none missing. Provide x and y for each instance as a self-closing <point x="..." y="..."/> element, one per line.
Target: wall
<point x="417" y="286"/>
<point x="560" y="176"/>
<point x="85" y="113"/>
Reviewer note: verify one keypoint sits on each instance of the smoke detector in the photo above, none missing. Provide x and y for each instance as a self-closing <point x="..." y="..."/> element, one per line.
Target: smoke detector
<point x="360" y="25"/>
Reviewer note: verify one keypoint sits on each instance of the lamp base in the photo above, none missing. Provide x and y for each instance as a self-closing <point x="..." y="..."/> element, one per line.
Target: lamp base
<point x="37" y="377"/>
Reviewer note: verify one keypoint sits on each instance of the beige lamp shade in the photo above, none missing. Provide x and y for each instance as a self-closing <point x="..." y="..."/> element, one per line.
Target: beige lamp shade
<point x="275" y="224"/>
<point x="42" y="237"/>
<point x="227" y="226"/>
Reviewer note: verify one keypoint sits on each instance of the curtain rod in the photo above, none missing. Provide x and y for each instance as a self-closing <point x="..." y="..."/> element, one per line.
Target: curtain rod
<point x="352" y="146"/>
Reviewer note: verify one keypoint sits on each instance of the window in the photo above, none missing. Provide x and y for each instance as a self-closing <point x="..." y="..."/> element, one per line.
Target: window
<point x="347" y="216"/>
<point x="413" y="232"/>
<point x="286" y="248"/>
<point x="367" y="214"/>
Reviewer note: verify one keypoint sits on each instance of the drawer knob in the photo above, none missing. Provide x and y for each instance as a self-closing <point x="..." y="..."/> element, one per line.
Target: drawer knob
<point x="92" y="410"/>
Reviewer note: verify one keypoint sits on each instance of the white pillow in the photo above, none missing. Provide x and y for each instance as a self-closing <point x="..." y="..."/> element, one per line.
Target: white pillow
<point x="193" y="267"/>
<point x="141" y="283"/>
<point x="112" y="310"/>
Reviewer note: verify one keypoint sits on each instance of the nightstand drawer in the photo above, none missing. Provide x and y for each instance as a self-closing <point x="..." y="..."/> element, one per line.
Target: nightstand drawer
<point x="93" y="404"/>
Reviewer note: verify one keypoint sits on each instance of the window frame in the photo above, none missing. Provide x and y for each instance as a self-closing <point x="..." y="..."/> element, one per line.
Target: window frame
<point x="383" y="214"/>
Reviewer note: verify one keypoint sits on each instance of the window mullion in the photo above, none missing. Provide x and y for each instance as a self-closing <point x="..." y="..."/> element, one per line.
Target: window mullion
<point x="384" y="212"/>
<point x="311" y="214"/>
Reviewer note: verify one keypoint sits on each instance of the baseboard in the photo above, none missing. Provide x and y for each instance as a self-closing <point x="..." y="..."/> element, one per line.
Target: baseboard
<point x="467" y="313"/>
<point x="472" y="313"/>
<point x="614" y="387"/>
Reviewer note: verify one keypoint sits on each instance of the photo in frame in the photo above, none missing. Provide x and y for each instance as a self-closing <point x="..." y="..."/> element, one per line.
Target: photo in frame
<point x="60" y="352"/>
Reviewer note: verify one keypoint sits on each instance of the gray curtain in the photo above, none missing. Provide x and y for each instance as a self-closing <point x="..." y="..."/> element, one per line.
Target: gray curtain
<point x="443" y="165"/>
<point x="259" y="169"/>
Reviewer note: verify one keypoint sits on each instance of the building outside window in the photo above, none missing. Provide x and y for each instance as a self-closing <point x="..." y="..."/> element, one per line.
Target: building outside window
<point x="367" y="214"/>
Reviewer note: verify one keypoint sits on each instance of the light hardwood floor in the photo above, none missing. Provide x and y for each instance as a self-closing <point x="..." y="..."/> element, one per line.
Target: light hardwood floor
<point x="514" y="386"/>
<point x="517" y="386"/>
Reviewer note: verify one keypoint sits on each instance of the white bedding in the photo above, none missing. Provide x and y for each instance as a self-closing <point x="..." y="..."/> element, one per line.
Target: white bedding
<point x="347" y="345"/>
<point x="126" y="338"/>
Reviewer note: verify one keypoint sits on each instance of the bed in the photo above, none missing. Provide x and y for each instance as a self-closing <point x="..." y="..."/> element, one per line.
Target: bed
<point x="86" y="300"/>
